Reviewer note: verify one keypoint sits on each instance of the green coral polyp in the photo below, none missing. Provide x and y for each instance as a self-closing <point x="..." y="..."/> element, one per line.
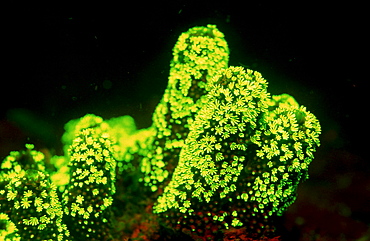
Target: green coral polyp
<point x="243" y="145"/>
<point x="216" y="127"/>
<point x="222" y="153"/>
<point x="87" y="202"/>
<point x="29" y="199"/>
<point x="197" y="55"/>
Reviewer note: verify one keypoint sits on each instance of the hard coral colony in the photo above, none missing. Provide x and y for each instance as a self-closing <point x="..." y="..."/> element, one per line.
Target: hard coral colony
<point x="223" y="158"/>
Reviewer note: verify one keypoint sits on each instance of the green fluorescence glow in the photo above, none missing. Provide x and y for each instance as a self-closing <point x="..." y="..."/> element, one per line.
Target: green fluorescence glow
<point x="198" y="54"/>
<point x="10" y="231"/>
<point x="242" y="133"/>
<point x="73" y="127"/>
<point x="221" y="153"/>
<point x="23" y="160"/>
<point x="125" y="138"/>
<point x="61" y="176"/>
<point x="230" y="111"/>
<point x="29" y="201"/>
<point x="89" y="197"/>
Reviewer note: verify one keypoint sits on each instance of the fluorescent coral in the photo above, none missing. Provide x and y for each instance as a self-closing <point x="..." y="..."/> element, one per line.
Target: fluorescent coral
<point x="29" y="200"/>
<point x="242" y="160"/>
<point x="198" y="54"/>
<point x="87" y="201"/>
<point x="223" y="158"/>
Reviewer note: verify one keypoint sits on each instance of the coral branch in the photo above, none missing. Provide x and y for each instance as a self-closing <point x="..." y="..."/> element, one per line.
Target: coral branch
<point x="222" y="160"/>
<point x="198" y="54"/>
<point x="242" y="160"/>
<point x="89" y="198"/>
<point x="29" y="199"/>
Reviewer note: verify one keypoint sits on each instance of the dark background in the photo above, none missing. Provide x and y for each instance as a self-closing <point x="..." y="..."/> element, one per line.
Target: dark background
<point x="112" y="60"/>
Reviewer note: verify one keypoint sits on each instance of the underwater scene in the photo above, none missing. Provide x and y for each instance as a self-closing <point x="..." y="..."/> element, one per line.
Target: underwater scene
<point x="184" y="121"/>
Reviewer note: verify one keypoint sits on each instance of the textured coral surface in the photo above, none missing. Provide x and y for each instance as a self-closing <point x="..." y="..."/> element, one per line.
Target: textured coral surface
<point x="221" y="154"/>
<point x="210" y="156"/>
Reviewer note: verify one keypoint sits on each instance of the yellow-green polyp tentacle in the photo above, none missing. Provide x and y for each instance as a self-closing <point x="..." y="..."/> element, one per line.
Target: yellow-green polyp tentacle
<point x="197" y="55"/>
<point x="215" y="151"/>
<point x="199" y="51"/>
<point x="290" y="139"/>
<point x="245" y="150"/>
<point x="23" y="160"/>
<point x="88" y="198"/>
<point x="29" y="199"/>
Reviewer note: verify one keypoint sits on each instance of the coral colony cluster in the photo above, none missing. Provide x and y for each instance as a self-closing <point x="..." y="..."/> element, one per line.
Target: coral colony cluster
<point x="221" y="161"/>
